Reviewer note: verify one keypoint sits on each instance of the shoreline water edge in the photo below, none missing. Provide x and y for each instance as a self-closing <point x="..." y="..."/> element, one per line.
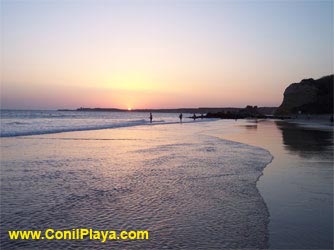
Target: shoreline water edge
<point x="297" y="184"/>
<point x="160" y="172"/>
<point x="170" y="157"/>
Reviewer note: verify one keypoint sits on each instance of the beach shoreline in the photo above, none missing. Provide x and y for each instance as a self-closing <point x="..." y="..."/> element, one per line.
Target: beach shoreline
<point x="263" y="135"/>
<point x="298" y="174"/>
<point x="147" y="177"/>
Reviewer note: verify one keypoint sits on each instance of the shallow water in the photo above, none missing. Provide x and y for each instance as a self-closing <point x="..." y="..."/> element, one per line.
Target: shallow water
<point x="37" y="122"/>
<point x="189" y="188"/>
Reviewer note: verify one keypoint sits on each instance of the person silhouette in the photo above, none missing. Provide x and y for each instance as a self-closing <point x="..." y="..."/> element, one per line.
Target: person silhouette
<point x="151" y="117"/>
<point x="194" y="116"/>
<point x="180" y="116"/>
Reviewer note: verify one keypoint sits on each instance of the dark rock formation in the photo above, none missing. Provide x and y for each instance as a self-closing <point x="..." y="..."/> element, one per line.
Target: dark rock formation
<point x="222" y="115"/>
<point x="248" y="112"/>
<point x="308" y="97"/>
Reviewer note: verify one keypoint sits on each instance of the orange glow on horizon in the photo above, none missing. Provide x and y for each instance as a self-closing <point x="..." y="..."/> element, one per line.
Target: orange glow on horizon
<point x="62" y="55"/>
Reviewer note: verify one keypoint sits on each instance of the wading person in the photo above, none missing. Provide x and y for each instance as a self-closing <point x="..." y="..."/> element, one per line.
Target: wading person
<point x="151" y="117"/>
<point x="180" y="116"/>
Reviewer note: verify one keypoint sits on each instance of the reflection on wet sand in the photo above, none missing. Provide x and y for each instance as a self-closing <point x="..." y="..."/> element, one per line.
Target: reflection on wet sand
<point x="305" y="142"/>
<point x="249" y="126"/>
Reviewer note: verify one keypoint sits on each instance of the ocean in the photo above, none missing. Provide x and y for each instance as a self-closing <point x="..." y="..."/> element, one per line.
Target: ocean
<point x="205" y="184"/>
<point x="35" y="122"/>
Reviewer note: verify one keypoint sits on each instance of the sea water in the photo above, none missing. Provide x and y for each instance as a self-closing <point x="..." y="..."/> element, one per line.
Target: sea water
<point x="185" y="183"/>
<point x="34" y="122"/>
<point x="189" y="188"/>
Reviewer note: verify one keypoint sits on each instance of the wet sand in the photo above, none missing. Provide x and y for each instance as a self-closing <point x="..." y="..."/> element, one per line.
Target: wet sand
<point x="298" y="185"/>
<point x="315" y="122"/>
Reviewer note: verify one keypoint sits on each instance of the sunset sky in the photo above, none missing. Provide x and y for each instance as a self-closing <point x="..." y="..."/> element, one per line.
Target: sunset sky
<point x="160" y="54"/>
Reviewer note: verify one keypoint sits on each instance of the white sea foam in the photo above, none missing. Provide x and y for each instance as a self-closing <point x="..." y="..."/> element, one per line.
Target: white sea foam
<point x="23" y="123"/>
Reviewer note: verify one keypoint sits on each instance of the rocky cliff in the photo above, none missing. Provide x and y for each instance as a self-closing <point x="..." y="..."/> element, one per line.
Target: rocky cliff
<point x="309" y="97"/>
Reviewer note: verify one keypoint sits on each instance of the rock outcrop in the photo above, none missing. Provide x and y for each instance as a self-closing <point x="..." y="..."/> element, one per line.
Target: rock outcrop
<point x="248" y="112"/>
<point x="308" y="97"/>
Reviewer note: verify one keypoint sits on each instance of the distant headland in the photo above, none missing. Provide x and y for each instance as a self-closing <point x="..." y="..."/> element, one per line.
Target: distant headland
<point x="201" y="110"/>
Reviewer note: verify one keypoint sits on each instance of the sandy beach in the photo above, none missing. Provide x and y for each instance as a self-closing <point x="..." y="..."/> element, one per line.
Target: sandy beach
<point x="155" y="124"/>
